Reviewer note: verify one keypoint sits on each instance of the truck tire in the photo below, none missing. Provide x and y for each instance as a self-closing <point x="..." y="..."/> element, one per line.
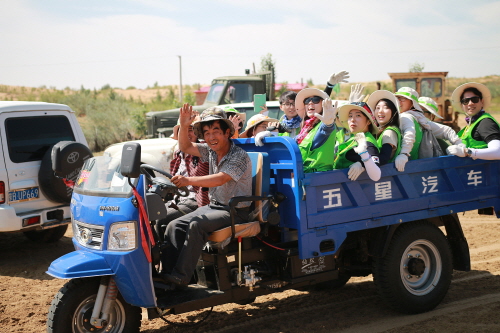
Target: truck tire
<point x="415" y="274"/>
<point x="72" y="306"/>
<point x="72" y="154"/>
<point x="47" y="236"/>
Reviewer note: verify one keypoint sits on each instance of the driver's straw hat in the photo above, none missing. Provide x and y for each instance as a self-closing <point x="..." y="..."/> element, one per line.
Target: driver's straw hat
<point x="411" y="94"/>
<point x="211" y="114"/>
<point x="429" y="105"/>
<point x="175" y="133"/>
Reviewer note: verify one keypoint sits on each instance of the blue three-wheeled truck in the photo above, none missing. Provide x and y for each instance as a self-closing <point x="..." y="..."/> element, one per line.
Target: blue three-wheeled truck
<point x="305" y="229"/>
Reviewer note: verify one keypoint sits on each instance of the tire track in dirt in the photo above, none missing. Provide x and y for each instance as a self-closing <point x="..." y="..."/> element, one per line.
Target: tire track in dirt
<point x="386" y="324"/>
<point x="405" y="320"/>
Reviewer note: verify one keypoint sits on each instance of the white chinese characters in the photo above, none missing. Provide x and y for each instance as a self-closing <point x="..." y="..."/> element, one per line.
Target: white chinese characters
<point x="334" y="199"/>
<point x="430" y="183"/>
<point x="383" y="191"/>
<point x="474" y="177"/>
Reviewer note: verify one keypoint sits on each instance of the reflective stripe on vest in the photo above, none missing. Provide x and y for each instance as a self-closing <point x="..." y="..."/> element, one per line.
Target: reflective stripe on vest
<point x="466" y="133"/>
<point x="398" y="148"/>
<point x="340" y="161"/>
<point x="320" y="159"/>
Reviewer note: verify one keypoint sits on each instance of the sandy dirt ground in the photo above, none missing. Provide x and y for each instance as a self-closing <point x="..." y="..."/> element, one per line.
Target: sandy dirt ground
<point x="471" y="305"/>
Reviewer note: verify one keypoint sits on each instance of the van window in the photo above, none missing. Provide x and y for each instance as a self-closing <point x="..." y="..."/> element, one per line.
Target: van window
<point x="29" y="138"/>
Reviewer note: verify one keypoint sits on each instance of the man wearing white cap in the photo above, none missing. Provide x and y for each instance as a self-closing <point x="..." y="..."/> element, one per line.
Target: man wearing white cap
<point x="482" y="133"/>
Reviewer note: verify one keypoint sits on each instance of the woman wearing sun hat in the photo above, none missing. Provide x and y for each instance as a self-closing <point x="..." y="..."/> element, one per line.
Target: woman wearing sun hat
<point x="360" y="152"/>
<point x="256" y="124"/>
<point x="385" y="107"/>
<point x="316" y="141"/>
<point x="481" y="136"/>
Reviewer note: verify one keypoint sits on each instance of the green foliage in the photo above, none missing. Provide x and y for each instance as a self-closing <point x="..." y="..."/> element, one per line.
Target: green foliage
<point x="266" y="62"/>
<point x="416" y="67"/>
<point x="283" y="88"/>
<point x="310" y="82"/>
<point x="106" y="87"/>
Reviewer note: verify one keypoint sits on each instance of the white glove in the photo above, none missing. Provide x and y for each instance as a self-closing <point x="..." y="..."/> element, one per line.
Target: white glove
<point x="355" y="170"/>
<point x="400" y="162"/>
<point x="462" y="145"/>
<point x="339" y="77"/>
<point x="361" y="140"/>
<point x="329" y="112"/>
<point x="457" y="150"/>
<point x="356" y="93"/>
<point x="261" y="135"/>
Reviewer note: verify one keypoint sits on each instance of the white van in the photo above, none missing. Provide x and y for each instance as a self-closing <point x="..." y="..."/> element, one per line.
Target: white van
<point x="32" y="199"/>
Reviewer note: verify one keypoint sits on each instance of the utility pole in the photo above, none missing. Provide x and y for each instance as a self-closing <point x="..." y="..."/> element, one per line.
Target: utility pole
<point x="180" y="79"/>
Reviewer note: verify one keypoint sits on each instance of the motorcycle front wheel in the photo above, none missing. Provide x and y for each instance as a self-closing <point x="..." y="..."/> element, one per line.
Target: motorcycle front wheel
<point x="71" y="309"/>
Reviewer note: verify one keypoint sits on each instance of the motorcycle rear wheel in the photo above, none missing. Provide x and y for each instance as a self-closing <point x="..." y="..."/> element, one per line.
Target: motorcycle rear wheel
<point x="71" y="309"/>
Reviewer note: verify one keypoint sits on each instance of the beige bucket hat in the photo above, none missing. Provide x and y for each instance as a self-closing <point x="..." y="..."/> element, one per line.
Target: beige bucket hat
<point x="457" y="93"/>
<point x="254" y="121"/>
<point x="377" y="95"/>
<point x="343" y="114"/>
<point x="305" y="93"/>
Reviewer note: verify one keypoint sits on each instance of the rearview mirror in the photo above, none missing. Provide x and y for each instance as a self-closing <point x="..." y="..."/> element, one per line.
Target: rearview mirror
<point x="131" y="160"/>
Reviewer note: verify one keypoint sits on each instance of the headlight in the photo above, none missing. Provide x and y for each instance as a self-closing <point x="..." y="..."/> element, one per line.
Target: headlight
<point x="122" y="236"/>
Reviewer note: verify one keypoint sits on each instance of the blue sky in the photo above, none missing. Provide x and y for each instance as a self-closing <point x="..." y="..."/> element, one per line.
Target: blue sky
<point x="137" y="42"/>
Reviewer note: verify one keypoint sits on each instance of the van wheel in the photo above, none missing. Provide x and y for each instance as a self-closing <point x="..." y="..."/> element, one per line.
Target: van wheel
<point x="72" y="155"/>
<point x="71" y="309"/>
<point x="48" y="235"/>
<point x="415" y="274"/>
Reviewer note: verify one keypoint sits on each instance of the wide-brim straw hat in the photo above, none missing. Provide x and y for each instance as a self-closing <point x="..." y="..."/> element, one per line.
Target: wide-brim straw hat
<point x="429" y="105"/>
<point x="411" y="94"/>
<point x="343" y="114"/>
<point x="175" y="132"/>
<point x="210" y="114"/>
<point x="377" y="95"/>
<point x="455" y="96"/>
<point x="254" y="121"/>
<point x="305" y="93"/>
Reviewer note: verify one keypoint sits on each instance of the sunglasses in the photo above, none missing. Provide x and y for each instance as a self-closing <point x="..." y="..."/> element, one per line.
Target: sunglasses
<point x="314" y="99"/>
<point x="466" y="101"/>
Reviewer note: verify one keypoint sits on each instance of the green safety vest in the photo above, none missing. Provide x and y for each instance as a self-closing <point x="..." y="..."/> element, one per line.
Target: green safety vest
<point x="340" y="161"/>
<point x="466" y="133"/>
<point x="320" y="159"/>
<point x="398" y="148"/>
<point x="418" y="139"/>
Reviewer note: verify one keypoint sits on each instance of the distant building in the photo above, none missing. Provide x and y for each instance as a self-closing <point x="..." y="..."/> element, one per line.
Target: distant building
<point x="201" y="93"/>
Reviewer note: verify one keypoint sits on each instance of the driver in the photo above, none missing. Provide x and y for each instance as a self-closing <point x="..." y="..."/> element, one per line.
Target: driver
<point x="230" y="175"/>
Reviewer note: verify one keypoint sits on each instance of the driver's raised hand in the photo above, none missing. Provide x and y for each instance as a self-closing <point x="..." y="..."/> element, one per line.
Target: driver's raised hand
<point x="180" y="181"/>
<point x="186" y="115"/>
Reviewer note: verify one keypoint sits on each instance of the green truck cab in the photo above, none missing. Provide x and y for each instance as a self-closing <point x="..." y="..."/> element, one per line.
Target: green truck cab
<point x="224" y="90"/>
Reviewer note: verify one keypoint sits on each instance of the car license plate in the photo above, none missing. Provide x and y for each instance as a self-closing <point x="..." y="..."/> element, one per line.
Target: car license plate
<point x="24" y="194"/>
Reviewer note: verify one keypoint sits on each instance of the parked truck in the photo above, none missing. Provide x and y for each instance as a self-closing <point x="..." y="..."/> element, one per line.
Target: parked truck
<point x="224" y="90"/>
<point x="433" y="85"/>
<point x="306" y="230"/>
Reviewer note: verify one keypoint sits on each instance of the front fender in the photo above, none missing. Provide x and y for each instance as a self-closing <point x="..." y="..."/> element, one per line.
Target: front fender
<point x="78" y="264"/>
<point x="132" y="273"/>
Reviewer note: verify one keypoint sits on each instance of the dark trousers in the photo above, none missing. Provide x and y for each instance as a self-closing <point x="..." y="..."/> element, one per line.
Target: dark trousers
<point x="186" y="236"/>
